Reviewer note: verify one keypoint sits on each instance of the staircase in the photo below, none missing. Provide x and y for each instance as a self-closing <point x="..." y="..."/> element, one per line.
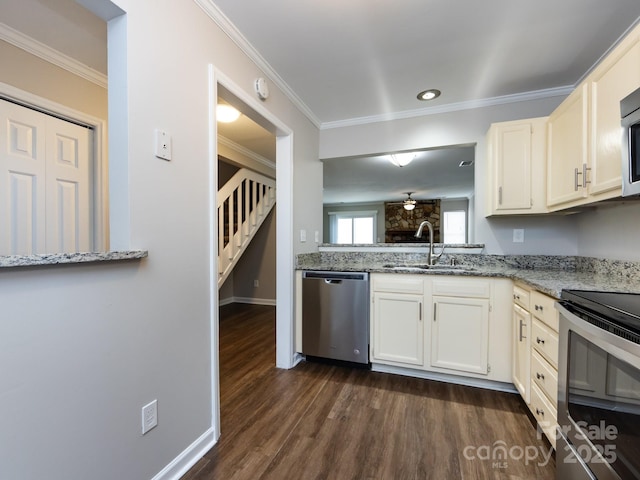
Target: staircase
<point x="243" y="204"/>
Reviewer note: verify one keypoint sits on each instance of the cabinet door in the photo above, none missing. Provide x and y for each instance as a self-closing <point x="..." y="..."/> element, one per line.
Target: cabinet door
<point x="567" y="149"/>
<point x="610" y="83"/>
<point x="521" y="349"/>
<point x="512" y="152"/>
<point x="398" y="328"/>
<point x="460" y="334"/>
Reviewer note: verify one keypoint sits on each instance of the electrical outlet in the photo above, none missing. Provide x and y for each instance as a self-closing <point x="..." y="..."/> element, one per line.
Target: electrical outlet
<point x="256" y="283"/>
<point x="518" y="235"/>
<point x="149" y="416"/>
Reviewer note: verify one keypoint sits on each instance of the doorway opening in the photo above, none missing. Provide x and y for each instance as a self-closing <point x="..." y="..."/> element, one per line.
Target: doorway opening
<point x="282" y="219"/>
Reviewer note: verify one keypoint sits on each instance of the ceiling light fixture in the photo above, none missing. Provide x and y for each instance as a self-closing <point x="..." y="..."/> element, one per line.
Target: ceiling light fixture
<point x="409" y="203"/>
<point x="226" y="113"/>
<point x="402" y="159"/>
<point x="429" y="94"/>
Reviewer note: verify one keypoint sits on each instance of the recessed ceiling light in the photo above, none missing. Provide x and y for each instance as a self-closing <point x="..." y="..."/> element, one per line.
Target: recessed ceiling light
<point x="429" y="94"/>
<point x="226" y="113"/>
<point x="402" y="159"/>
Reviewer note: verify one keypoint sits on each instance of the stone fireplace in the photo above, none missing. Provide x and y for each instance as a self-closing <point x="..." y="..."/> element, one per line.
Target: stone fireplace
<point x="401" y="225"/>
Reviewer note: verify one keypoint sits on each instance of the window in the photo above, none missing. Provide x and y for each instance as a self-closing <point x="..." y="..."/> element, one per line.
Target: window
<point x="455" y="226"/>
<point x="352" y="227"/>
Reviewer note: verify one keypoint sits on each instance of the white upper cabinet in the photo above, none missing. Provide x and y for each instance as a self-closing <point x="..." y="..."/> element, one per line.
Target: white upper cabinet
<point x="567" y="149"/>
<point x="584" y="133"/>
<point x="517" y="162"/>
<point x="613" y="80"/>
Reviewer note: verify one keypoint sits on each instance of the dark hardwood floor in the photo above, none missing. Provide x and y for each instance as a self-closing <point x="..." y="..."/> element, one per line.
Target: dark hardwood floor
<point x="320" y="421"/>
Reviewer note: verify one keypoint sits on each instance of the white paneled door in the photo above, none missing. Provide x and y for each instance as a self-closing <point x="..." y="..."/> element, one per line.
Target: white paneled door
<point x="45" y="183"/>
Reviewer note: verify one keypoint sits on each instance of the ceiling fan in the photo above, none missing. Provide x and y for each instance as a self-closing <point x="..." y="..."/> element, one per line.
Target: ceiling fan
<point x="408" y="203"/>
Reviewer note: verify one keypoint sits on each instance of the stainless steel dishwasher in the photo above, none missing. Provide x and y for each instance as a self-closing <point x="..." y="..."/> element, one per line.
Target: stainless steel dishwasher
<point x="335" y="315"/>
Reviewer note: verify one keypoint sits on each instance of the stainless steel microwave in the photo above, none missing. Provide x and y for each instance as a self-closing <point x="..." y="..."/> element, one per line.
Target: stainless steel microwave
<point x="630" y="113"/>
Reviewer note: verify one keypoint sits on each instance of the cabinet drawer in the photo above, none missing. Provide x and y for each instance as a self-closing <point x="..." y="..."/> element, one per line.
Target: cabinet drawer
<point x="398" y="283"/>
<point x="459" y="287"/>
<point x="545" y="413"/>
<point x="521" y="296"/>
<point x="545" y="341"/>
<point x="542" y="307"/>
<point x="545" y="376"/>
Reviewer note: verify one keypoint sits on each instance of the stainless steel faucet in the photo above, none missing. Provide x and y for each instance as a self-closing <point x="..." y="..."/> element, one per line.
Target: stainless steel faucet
<point x="431" y="257"/>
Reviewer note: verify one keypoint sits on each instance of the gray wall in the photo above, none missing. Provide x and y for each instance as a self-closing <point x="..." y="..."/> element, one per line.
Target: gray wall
<point x="258" y="262"/>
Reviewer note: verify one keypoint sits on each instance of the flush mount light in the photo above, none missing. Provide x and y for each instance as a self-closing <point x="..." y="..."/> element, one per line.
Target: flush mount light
<point x="429" y="94"/>
<point x="226" y="113"/>
<point x="402" y="159"/>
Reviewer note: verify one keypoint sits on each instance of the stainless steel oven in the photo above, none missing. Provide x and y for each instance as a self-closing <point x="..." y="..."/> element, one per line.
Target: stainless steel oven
<point x="598" y="386"/>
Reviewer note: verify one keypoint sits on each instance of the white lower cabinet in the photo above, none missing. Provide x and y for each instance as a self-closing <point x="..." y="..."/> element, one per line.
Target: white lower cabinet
<point x="442" y="324"/>
<point x="535" y="359"/>
<point x="521" y="351"/>
<point x="398" y="328"/>
<point x="460" y="334"/>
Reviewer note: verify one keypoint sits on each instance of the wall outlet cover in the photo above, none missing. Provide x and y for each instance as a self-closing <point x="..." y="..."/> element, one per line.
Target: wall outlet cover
<point x="518" y="235"/>
<point x="149" y="416"/>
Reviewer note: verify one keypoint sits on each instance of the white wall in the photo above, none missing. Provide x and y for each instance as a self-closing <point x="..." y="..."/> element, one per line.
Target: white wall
<point x="83" y="348"/>
<point x="543" y="235"/>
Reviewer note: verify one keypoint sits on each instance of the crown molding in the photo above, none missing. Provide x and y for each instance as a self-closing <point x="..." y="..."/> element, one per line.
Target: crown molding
<point x="245" y="151"/>
<point x="240" y="40"/>
<point x="452" y="107"/>
<point x="51" y="55"/>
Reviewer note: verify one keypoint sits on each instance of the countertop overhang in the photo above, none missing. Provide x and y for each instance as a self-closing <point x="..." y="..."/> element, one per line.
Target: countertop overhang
<point x="14" y="261"/>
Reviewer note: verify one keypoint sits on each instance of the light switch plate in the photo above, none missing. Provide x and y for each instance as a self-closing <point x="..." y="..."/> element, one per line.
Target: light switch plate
<point x="303" y="235"/>
<point x="163" y="145"/>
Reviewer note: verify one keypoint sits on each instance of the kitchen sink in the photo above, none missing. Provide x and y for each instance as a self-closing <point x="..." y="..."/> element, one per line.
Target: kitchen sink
<point x="422" y="267"/>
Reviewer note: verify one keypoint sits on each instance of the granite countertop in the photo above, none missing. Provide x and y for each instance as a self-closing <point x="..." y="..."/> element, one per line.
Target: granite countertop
<point x="547" y="274"/>
<point x="13" y="261"/>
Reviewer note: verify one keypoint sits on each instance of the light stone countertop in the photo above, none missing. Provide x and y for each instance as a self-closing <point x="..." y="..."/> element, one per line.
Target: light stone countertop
<point x="14" y="261"/>
<point x="547" y="274"/>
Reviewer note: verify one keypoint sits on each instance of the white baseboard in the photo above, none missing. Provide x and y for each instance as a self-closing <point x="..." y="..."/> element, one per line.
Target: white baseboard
<point x="225" y="301"/>
<point x="443" y="377"/>
<point x="188" y="458"/>
<point x="249" y="300"/>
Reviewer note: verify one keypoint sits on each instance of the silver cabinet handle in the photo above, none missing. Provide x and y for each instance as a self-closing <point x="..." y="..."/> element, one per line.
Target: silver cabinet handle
<point x="585" y="169"/>
<point x="434" y="311"/>
<point x="420" y="311"/>
<point x="539" y="411"/>
<point x="522" y="337"/>
<point x="539" y="307"/>
<point x="575" y="179"/>
<point x="499" y="195"/>
<point x="539" y="376"/>
<point x="540" y="340"/>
